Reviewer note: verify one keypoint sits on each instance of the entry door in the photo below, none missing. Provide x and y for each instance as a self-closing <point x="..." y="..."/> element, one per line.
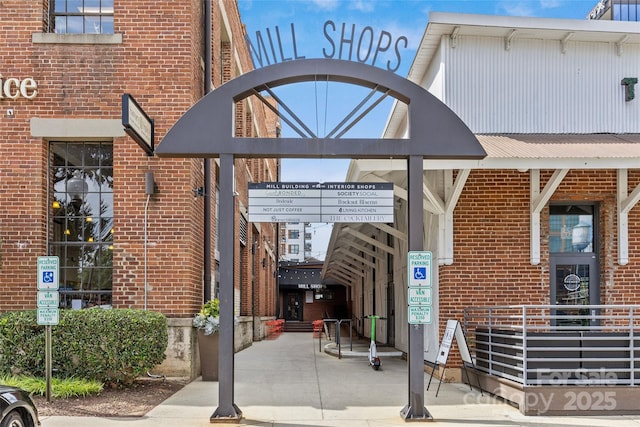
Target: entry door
<point x="293" y="306"/>
<point x="574" y="266"/>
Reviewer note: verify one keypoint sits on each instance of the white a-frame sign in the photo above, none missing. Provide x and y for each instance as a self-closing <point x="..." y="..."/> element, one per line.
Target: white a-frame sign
<point x="453" y="330"/>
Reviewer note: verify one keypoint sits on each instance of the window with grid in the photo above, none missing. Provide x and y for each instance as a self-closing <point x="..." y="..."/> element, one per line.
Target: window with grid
<point x="81" y="221"/>
<point x="81" y="16"/>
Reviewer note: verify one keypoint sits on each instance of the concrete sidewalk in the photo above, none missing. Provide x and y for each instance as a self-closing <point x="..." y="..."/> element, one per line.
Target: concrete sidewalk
<point x="287" y="382"/>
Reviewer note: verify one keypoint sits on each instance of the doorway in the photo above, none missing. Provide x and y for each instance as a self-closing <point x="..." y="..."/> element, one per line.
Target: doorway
<point x="574" y="265"/>
<point x="293" y="306"/>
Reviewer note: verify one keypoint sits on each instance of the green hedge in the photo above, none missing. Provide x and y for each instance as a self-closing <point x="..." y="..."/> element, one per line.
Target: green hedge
<point x="113" y="346"/>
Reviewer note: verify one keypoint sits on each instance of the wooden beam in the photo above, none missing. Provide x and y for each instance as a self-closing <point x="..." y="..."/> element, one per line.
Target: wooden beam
<point x="356" y="257"/>
<point x="369" y="240"/>
<point x="538" y="200"/>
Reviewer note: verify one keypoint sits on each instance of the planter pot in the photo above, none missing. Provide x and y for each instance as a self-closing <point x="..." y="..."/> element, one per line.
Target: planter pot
<point x="208" y="347"/>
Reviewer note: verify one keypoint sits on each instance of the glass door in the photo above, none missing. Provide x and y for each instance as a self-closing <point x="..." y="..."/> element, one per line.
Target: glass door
<point x="574" y="265"/>
<point x="293" y="301"/>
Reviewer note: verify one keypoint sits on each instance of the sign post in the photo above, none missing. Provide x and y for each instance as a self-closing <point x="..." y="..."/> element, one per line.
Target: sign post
<point x="48" y="301"/>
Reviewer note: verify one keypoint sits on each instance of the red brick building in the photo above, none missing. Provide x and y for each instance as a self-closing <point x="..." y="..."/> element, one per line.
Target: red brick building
<point x="76" y="186"/>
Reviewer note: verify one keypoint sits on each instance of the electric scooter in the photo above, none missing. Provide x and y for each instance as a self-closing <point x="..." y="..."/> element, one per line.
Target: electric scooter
<point x="374" y="360"/>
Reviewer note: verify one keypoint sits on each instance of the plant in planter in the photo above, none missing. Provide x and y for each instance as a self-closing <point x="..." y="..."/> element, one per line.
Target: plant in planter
<point x="207" y="322"/>
<point x="208" y="319"/>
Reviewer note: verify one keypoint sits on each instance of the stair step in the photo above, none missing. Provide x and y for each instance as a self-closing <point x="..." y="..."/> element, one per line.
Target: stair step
<point x="298" y="327"/>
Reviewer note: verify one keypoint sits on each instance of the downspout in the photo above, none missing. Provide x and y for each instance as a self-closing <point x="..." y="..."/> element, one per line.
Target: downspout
<point x="149" y="185"/>
<point x="254" y="249"/>
<point x="146" y="220"/>
<point x="207" y="161"/>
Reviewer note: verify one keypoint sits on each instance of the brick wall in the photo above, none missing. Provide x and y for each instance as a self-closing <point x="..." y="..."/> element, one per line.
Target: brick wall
<point x="320" y="309"/>
<point x="492" y="250"/>
<point x="160" y="64"/>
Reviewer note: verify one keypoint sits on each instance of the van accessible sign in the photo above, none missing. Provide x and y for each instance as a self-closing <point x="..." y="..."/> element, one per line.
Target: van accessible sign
<point x="321" y="202"/>
<point x="342" y="41"/>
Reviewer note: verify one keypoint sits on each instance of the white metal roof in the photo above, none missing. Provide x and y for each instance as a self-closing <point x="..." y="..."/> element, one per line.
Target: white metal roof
<point x="567" y="146"/>
<point x="529" y="151"/>
<point x="451" y="24"/>
<point x="525" y="27"/>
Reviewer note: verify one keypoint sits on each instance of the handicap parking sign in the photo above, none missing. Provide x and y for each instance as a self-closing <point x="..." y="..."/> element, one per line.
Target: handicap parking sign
<point x="419" y="268"/>
<point x="48" y="268"/>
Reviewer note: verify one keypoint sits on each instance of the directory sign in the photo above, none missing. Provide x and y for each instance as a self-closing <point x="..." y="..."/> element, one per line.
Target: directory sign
<point x="321" y="202"/>
<point x="357" y="202"/>
<point x="284" y="202"/>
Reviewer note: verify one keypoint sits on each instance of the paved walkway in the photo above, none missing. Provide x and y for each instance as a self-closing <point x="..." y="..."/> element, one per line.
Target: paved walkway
<point x="286" y="382"/>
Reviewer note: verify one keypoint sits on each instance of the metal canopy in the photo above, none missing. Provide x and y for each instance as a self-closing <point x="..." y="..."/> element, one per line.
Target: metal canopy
<point x="207" y="128"/>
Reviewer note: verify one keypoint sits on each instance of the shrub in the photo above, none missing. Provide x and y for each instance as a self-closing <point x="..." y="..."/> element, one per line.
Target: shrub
<point x="113" y="346"/>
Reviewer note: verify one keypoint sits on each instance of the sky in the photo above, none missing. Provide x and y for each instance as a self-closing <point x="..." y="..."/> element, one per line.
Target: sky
<point x="401" y="23"/>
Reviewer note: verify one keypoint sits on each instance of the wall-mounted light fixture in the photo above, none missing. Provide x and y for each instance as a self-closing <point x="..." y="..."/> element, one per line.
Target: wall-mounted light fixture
<point x="198" y="192"/>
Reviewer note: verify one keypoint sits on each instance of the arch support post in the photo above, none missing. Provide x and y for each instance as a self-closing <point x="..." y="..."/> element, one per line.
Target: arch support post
<point x="227" y="410"/>
<point x="415" y="409"/>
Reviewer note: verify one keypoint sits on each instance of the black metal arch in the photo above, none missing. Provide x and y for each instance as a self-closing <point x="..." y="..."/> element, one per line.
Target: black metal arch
<point x="207" y="128"/>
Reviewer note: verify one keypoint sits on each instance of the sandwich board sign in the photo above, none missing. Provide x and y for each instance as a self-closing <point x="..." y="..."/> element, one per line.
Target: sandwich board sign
<point x="453" y="330"/>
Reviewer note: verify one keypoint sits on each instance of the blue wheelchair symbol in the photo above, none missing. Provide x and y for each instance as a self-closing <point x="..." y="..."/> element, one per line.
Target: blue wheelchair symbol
<point x="47" y="277"/>
<point x="419" y="273"/>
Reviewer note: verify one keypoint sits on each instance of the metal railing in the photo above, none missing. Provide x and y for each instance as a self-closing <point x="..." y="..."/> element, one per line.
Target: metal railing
<point x="557" y="345"/>
<point x="337" y="333"/>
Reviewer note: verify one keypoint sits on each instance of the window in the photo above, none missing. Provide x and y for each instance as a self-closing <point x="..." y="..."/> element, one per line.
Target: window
<point x="571" y="228"/>
<point x="625" y="10"/>
<point x="294" y="249"/>
<point x="294" y="234"/>
<point x="81" y="16"/>
<point x="323" y="295"/>
<point x="81" y="221"/>
<point x="244" y="231"/>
